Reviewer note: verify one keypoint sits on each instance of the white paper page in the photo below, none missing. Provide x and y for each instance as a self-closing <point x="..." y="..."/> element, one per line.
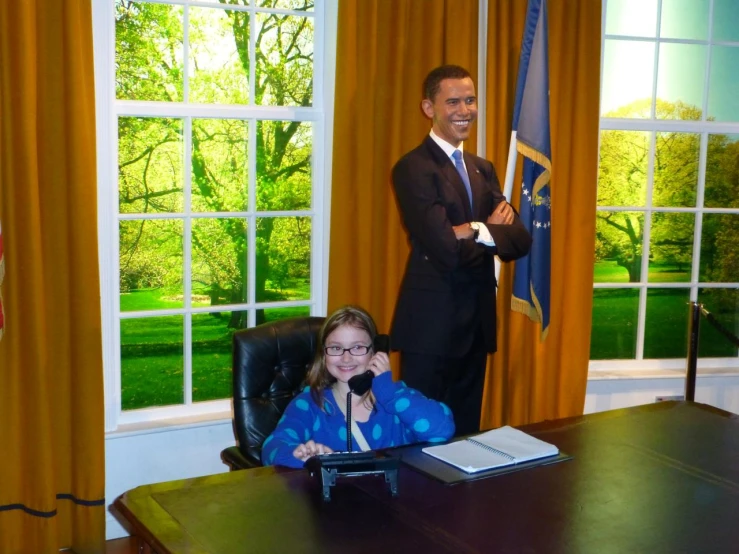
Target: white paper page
<point x="518" y="444"/>
<point x="467" y="456"/>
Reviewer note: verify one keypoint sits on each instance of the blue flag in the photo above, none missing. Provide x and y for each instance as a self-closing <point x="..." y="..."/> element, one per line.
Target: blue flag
<point x="531" y="283"/>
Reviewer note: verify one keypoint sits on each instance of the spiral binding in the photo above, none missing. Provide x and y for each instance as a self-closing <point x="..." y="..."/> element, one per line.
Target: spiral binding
<point x="492" y="449"/>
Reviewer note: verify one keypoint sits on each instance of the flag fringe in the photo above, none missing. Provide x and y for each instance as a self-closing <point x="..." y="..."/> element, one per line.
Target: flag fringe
<point x="534" y="313"/>
<point x="537" y="157"/>
<point x="534" y="155"/>
<point x="522" y="306"/>
<point x="539" y="311"/>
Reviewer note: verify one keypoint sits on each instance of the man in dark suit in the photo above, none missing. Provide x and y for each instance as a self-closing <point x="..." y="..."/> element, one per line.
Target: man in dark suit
<point x="457" y="220"/>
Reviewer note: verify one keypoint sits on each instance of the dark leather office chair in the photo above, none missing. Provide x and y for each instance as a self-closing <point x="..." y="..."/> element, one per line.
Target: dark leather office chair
<point x="270" y="362"/>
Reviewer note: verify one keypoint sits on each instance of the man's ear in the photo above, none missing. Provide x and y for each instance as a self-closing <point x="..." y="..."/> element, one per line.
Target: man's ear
<point x="427" y="107"/>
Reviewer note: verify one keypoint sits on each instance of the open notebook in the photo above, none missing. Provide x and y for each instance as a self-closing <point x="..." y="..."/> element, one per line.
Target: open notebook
<point x="497" y="448"/>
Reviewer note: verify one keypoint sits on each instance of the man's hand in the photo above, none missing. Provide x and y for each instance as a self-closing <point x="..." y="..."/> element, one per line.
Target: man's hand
<point x="464" y="231"/>
<point x="502" y="214"/>
<point x="310" y="448"/>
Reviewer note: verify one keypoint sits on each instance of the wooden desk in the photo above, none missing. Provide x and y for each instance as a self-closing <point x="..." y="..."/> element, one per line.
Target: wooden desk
<point x="657" y="478"/>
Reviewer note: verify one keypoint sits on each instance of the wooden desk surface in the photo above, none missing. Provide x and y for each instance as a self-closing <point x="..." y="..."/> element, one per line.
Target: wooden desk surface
<point x="657" y="478"/>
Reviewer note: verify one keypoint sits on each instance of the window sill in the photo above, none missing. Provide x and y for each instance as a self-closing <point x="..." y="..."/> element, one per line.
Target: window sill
<point x="224" y="417"/>
<point x="611" y="374"/>
<point x="170" y="424"/>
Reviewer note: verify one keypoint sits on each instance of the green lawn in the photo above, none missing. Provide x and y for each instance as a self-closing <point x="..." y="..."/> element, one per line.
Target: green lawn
<point x="608" y="271"/>
<point x="152" y="359"/>
<point x="614" y="329"/>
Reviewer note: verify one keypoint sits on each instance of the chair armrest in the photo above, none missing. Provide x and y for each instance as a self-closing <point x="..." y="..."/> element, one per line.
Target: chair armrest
<point x="235" y="460"/>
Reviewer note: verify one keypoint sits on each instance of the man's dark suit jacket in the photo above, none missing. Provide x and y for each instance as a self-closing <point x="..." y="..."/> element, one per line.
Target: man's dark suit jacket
<point x="449" y="285"/>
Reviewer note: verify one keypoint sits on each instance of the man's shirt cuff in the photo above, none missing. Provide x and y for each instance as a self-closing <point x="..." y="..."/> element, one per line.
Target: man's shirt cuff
<point x="483" y="235"/>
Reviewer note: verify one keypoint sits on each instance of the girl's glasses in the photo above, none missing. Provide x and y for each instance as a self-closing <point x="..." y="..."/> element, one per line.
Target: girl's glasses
<point x="357" y="350"/>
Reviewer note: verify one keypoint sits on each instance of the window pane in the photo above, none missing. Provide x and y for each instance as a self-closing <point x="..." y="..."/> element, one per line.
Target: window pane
<point x="723" y="304"/>
<point x="283" y="258"/>
<point x="151" y="362"/>
<point x="682" y="70"/>
<point x="719" y="252"/>
<point x="219" y="165"/>
<point x="722" y="172"/>
<point x="240" y="2"/>
<point x="615" y="317"/>
<point x="725" y="16"/>
<point x="211" y="353"/>
<point x="298" y="5"/>
<point x="149" y="51"/>
<point x="151" y="264"/>
<point x="219" y="56"/>
<point x="622" y="170"/>
<point x="219" y="260"/>
<point x="671" y="251"/>
<point x="284" y="71"/>
<point x="628" y="72"/>
<point x="284" y="177"/>
<point x="666" y="326"/>
<point x="676" y="169"/>
<point x="273" y="314"/>
<point x="150" y="165"/>
<point x="636" y="18"/>
<point x="724" y="83"/>
<point x="686" y="19"/>
<point x="618" y="247"/>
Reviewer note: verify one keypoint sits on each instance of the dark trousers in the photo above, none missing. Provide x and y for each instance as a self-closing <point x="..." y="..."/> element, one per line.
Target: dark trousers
<point x="457" y="382"/>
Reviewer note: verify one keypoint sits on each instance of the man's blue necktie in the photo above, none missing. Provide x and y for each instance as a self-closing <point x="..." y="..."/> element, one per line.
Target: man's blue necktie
<point x="457" y="155"/>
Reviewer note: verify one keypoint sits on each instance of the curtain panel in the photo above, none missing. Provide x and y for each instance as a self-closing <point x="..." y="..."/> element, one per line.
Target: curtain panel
<point x="384" y="51"/>
<point x="529" y="380"/>
<point x="52" y="482"/>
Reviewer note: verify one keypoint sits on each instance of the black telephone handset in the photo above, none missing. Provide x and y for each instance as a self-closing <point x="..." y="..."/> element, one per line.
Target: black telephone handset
<point x="360" y="384"/>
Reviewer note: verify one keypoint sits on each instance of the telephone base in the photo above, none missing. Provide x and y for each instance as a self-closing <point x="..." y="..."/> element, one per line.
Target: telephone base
<point x="352" y="464"/>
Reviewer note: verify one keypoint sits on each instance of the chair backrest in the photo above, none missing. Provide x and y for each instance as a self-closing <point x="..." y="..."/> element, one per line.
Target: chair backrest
<point x="270" y="363"/>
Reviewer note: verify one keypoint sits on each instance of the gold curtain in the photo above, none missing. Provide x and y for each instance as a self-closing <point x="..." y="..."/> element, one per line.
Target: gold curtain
<point x="528" y="380"/>
<point x="385" y="48"/>
<point x="52" y="482"/>
<point x="384" y="51"/>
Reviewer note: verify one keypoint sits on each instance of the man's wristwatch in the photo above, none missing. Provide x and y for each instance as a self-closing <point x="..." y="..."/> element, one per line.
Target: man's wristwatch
<point x="475" y="232"/>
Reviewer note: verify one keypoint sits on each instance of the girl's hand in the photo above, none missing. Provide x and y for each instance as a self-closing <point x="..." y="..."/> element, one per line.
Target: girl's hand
<point x="379" y="363"/>
<point x="310" y="448"/>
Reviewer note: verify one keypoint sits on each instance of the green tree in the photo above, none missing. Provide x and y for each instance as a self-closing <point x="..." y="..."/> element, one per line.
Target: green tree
<point x="150" y="54"/>
<point x="622" y="182"/>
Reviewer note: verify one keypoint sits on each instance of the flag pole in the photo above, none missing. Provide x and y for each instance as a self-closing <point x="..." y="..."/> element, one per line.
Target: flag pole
<point x="510" y="168"/>
<point x="508" y="189"/>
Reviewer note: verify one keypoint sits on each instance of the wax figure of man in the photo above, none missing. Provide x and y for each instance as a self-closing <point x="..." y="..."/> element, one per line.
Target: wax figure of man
<point x="444" y="322"/>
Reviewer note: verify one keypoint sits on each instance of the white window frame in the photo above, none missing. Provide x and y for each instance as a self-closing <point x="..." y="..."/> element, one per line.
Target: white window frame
<point x="703" y="128"/>
<point x="108" y="109"/>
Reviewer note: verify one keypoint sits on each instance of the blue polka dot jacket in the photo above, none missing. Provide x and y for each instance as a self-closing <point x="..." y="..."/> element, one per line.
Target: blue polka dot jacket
<point x="401" y="416"/>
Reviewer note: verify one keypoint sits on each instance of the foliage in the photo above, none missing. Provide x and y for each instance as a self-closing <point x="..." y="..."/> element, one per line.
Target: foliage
<point x="623" y="183"/>
<point x="150" y="54"/>
<point x="232" y="55"/>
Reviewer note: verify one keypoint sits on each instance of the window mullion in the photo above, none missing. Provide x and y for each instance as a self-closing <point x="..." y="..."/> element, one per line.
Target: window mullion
<point x="187" y="260"/>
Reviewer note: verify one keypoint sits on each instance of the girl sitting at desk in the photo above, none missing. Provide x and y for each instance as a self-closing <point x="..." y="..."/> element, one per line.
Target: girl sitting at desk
<point x="389" y="414"/>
